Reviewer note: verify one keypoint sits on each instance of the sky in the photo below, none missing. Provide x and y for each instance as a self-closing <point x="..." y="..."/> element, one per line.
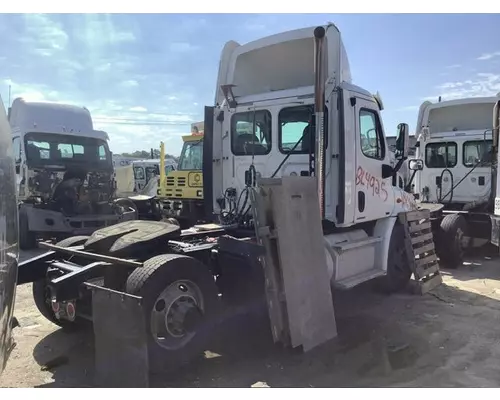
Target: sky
<point x="146" y="77"/>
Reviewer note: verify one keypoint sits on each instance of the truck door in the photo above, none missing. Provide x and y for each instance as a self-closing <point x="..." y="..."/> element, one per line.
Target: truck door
<point x="374" y="195"/>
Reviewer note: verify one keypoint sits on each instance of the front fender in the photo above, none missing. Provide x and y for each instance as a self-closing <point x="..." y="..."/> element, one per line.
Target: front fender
<point x="383" y="229"/>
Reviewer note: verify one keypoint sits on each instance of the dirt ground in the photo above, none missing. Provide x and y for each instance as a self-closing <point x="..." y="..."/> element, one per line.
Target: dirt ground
<point x="447" y="338"/>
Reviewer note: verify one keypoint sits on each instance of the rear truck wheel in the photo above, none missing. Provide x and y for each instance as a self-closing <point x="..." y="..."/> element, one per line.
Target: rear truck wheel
<point x="27" y="238"/>
<point x="452" y="240"/>
<point x="180" y="299"/>
<point x="43" y="301"/>
<point x="398" y="269"/>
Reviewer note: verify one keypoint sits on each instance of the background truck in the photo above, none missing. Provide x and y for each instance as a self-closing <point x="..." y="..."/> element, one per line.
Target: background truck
<point x="64" y="172"/>
<point x="454" y="172"/>
<point x="318" y="144"/>
<point x="145" y="170"/>
<point x="181" y="191"/>
<point x="495" y="183"/>
<point x="9" y="250"/>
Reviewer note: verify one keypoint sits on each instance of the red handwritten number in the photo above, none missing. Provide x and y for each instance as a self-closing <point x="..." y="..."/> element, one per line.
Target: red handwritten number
<point x="385" y="194"/>
<point x="359" y="176"/>
<point x="364" y="178"/>
<point x="368" y="177"/>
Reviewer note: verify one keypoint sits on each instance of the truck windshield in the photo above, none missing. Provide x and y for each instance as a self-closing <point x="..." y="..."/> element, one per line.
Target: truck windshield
<point x="51" y="148"/>
<point x="191" y="156"/>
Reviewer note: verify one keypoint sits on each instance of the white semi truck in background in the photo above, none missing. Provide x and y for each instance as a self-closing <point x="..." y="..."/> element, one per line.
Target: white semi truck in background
<point x="455" y="161"/>
<point x="64" y="172"/>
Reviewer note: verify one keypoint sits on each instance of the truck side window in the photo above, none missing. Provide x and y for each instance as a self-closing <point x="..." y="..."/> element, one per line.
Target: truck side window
<point x="441" y="155"/>
<point x="70" y="150"/>
<point x="37" y="150"/>
<point x="139" y="173"/>
<point x="295" y="124"/>
<point x="16" y="149"/>
<point x="247" y="141"/>
<point x="102" y="153"/>
<point x="475" y="151"/>
<point x="152" y="171"/>
<point x="372" y="141"/>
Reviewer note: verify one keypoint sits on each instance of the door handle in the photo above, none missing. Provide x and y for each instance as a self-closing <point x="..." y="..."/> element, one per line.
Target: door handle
<point x="361" y="201"/>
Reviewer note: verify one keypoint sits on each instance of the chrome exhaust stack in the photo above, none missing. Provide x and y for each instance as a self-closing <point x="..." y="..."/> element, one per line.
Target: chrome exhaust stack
<point x="319" y="108"/>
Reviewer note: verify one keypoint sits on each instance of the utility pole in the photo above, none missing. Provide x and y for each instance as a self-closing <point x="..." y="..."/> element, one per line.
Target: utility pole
<point x="9" y="104"/>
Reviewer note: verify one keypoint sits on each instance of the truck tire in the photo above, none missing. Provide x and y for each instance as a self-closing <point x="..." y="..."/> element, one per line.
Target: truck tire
<point x="398" y="270"/>
<point x="451" y="245"/>
<point x="180" y="300"/>
<point x="41" y="293"/>
<point x="27" y="239"/>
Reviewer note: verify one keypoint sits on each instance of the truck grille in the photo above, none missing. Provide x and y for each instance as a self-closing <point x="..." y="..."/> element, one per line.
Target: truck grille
<point x="172" y="181"/>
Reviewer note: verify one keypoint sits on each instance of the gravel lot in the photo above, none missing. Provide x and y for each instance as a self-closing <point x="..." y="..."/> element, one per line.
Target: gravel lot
<point x="448" y="338"/>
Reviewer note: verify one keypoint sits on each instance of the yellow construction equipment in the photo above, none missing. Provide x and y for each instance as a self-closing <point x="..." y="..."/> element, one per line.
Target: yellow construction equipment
<point x="181" y="192"/>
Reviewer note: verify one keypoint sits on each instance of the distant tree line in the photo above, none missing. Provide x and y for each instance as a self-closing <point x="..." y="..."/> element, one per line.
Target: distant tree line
<point x="147" y="154"/>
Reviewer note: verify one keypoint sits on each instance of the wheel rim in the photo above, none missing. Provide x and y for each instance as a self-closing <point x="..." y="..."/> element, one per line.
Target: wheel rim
<point x="47" y="294"/>
<point x="176" y="313"/>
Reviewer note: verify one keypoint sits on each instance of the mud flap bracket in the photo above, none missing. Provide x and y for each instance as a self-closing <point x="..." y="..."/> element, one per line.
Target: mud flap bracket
<point x="121" y="351"/>
<point x="495" y="230"/>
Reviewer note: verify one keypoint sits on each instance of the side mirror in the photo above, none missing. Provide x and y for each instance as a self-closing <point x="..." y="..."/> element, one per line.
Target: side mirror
<point x="496" y="123"/>
<point x="416" y="165"/>
<point x="402" y="141"/>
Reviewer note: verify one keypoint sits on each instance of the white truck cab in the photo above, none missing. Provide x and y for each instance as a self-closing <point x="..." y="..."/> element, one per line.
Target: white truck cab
<point x="145" y="170"/>
<point x="453" y="170"/>
<point x="272" y="84"/>
<point x="64" y="171"/>
<point x="454" y="137"/>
